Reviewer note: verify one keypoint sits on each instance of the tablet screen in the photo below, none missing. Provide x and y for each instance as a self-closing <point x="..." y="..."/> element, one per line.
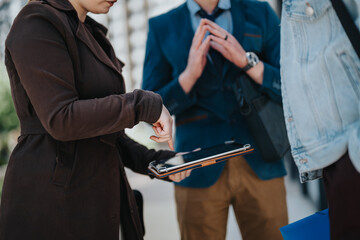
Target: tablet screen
<point x="198" y="155"/>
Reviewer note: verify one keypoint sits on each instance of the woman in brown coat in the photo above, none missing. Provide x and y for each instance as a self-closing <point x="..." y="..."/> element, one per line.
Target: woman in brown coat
<point x="65" y="178"/>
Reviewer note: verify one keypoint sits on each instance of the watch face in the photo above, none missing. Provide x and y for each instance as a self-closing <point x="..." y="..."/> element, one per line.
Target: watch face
<point x="252" y="58"/>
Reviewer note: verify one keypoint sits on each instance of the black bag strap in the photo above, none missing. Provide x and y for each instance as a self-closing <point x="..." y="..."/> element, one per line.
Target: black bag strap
<point x="348" y="24"/>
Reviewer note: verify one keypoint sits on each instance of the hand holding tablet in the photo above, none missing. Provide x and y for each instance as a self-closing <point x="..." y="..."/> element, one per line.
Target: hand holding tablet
<point x="198" y="158"/>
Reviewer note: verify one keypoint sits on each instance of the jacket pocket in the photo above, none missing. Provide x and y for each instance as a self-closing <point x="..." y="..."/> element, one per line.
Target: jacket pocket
<point x="309" y="20"/>
<point x="252" y="39"/>
<point x="305" y="10"/>
<point x="352" y="72"/>
<point x="65" y="163"/>
<point x="191" y="119"/>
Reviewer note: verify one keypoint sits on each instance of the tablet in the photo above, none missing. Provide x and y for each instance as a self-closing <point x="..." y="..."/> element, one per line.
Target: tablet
<point x="198" y="158"/>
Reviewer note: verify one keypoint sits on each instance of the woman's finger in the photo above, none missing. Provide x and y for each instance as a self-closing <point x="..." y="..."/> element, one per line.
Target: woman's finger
<point x="171" y="144"/>
<point x="156" y="130"/>
<point x="155" y="138"/>
<point x="160" y="139"/>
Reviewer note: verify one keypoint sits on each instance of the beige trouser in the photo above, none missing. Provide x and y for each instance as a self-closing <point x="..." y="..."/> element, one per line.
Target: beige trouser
<point x="260" y="206"/>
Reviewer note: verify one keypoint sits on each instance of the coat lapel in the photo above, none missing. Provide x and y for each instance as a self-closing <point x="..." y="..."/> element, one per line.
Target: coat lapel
<point x="86" y="37"/>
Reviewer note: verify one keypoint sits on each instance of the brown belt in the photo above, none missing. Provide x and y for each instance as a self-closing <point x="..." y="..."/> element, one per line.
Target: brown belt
<point x="30" y="126"/>
<point x="33" y="126"/>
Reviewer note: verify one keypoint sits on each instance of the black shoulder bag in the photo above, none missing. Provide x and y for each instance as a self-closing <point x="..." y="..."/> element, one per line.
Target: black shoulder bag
<point x="264" y="118"/>
<point x="348" y="24"/>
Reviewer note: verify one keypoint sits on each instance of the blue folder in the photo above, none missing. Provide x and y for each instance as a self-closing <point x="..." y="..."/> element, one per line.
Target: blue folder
<point x="313" y="227"/>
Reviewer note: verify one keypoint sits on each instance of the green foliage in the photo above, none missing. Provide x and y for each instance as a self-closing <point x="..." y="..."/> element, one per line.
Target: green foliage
<point x="8" y="117"/>
<point x="1" y="184"/>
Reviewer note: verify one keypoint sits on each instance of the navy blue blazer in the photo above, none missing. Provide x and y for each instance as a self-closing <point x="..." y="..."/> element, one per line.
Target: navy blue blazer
<point x="209" y="115"/>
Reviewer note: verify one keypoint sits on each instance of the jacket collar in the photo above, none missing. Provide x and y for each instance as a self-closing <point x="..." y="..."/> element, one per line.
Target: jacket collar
<point x="94" y="24"/>
<point x="86" y="37"/>
<point x="63" y="5"/>
<point x="238" y="18"/>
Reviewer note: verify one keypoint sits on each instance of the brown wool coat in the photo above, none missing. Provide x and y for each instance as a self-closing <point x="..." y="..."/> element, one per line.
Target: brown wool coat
<point x="65" y="178"/>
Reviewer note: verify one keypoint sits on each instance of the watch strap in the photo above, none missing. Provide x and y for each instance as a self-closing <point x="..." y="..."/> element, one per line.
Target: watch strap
<point x="247" y="67"/>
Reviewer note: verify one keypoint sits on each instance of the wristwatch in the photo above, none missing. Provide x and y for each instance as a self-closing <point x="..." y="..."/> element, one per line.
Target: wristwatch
<point x="253" y="59"/>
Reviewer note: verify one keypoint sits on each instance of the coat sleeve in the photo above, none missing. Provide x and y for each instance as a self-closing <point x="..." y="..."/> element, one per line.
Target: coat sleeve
<point x="271" y="54"/>
<point x="37" y="50"/>
<point x="136" y="156"/>
<point x="158" y="73"/>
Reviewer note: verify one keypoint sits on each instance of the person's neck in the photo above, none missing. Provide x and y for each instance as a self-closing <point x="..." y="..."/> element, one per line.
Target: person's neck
<point x="208" y="5"/>
<point x="80" y="11"/>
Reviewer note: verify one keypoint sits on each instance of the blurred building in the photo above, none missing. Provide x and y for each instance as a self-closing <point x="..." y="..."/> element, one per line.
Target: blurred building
<point x="127" y="24"/>
<point x="8" y="11"/>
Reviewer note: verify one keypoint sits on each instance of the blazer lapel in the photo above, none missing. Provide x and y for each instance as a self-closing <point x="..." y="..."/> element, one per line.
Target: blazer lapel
<point x="86" y="37"/>
<point x="185" y="34"/>
<point x="238" y="19"/>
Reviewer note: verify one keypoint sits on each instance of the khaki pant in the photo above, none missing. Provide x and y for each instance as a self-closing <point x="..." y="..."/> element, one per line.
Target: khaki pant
<point x="260" y="206"/>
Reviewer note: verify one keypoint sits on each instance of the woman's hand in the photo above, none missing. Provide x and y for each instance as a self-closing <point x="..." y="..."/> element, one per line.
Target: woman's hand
<point x="178" y="177"/>
<point x="196" y="60"/>
<point x="163" y="128"/>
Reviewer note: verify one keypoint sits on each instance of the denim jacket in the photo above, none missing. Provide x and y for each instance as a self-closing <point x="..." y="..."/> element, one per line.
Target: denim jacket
<point x="320" y="85"/>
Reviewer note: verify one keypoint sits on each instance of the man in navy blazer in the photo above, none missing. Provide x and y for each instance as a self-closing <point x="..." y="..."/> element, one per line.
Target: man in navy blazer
<point x="192" y="63"/>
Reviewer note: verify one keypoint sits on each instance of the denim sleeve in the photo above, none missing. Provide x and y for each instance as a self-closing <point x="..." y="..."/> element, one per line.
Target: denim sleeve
<point x="158" y="74"/>
<point x="271" y="55"/>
